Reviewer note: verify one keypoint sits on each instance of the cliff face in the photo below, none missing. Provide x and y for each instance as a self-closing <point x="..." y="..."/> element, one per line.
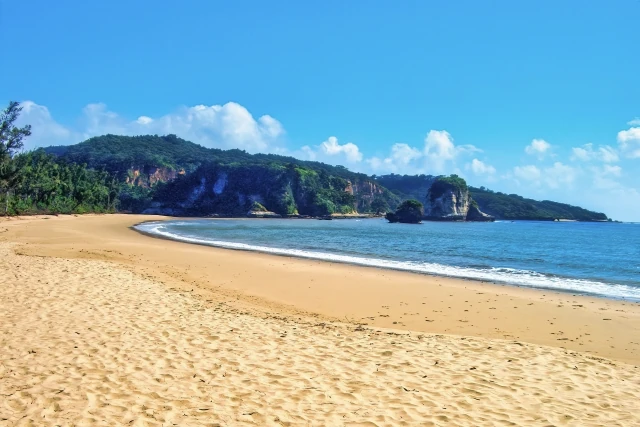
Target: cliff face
<point x="233" y="190"/>
<point x="449" y="206"/>
<point x="148" y="176"/>
<point x="365" y="193"/>
<point x="448" y="199"/>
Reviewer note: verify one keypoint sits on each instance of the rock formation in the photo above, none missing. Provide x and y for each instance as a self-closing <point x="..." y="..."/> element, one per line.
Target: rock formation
<point x="259" y="211"/>
<point x="409" y="212"/>
<point x="448" y="199"/>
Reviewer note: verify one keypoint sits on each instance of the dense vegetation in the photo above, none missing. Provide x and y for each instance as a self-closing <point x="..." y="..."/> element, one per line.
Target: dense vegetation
<point x="284" y="185"/>
<point x="409" y="212"/>
<point x="134" y="174"/>
<point x="407" y="186"/>
<point x="234" y="189"/>
<point x="499" y="205"/>
<point x="36" y="182"/>
<point x="443" y="184"/>
<point x="512" y="206"/>
<point x="51" y="185"/>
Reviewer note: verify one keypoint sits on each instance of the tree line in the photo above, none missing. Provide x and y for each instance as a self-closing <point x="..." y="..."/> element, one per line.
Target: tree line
<point x="36" y="182"/>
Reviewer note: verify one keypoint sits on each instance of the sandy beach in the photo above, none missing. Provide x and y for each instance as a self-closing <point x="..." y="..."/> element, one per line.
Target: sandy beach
<point x="101" y="325"/>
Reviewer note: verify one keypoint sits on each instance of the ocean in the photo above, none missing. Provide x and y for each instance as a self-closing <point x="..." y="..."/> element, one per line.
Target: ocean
<point x="599" y="259"/>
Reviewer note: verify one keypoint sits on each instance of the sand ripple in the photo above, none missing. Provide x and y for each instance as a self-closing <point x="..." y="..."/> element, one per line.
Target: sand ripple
<point x="88" y="343"/>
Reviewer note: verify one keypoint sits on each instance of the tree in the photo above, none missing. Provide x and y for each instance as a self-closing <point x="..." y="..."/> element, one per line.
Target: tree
<point x="11" y="138"/>
<point x="409" y="212"/>
<point x="379" y="205"/>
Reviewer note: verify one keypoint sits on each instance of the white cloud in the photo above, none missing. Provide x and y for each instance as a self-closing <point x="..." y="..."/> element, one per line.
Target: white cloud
<point x="439" y="155"/>
<point x="611" y="170"/>
<point x="586" y="153"/>
<point x="629" y="141"/>
<point x="538" y="148"/>
<point x="440" y="149"/>
<point x="634" y="122"/>
<point x="223" y="126"/>
<point x="331" y="150"/>
<point x="559" y="175"/>
<point x="400" y="160"/>
<point x="351" y="151"/>
<point x="527" y="173"/>
<point x="556" y="176"/>
<point x="44" y="129"/>
<point x="478" y="167"/>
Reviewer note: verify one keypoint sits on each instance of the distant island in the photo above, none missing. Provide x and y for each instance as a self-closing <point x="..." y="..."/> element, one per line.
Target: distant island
<point x="168" y="175"/>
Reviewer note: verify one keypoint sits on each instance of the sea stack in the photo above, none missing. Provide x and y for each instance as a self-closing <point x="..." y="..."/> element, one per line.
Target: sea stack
<point x="448" y="199"/>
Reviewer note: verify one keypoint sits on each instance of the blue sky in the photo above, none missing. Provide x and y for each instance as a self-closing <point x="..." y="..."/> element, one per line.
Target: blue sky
<point x="507" y="94"/>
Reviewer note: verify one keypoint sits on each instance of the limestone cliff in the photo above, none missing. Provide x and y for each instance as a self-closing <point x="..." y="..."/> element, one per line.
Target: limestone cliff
<point x="448" y="199"/>
<point x="148" y="176"/>
<point x="365" y="192"/>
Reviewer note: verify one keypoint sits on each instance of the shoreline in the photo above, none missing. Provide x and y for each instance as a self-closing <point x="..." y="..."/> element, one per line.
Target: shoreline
<point x="362" y="262"/>
<point x="362" y="295"/>
<point x="101" y="325"/>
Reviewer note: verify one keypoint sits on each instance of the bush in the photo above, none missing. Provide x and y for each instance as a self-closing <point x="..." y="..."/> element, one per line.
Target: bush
<point x="409" y="212"/>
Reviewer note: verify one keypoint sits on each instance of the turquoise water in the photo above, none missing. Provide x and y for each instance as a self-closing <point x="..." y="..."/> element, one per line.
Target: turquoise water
<point x="591" y="258"/>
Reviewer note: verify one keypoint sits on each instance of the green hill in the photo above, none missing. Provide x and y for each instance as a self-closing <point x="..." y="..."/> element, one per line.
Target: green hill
<point x="164" y="171"/>
<point x="499" y="205"/>
<point x="170" y="174"/>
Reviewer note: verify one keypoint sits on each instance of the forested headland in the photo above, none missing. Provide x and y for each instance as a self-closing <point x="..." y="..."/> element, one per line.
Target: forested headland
<point x="167" y="174"/>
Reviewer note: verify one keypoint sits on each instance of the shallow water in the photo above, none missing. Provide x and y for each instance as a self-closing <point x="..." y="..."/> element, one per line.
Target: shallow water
<point x="600" y="259"/>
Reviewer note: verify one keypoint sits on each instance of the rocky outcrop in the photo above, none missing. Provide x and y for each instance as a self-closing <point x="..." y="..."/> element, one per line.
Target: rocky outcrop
<point x="259" y="211"/>
<point x="448" y="199"/>
<point x="263" y="214"/>
<point x="450" y="206"/>
<point x="148" y="176"/>
<point x="475" y="214"/>
<point x="409" y="212"/>
<point x="365" y="192"/>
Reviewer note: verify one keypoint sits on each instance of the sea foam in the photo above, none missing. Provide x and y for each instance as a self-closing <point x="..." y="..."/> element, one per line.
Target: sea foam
<point x="510" y="276"/>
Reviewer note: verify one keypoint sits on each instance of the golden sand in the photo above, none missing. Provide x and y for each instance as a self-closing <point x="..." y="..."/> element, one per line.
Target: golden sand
<point x="100" y="325"/>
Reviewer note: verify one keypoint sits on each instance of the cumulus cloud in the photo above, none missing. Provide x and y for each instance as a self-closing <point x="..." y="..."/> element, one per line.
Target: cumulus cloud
<point x="559" y="174"/>
<point x="553" y="176"/>
<point x="629" y="141"/>
<point x="331" y="150"/>
<point x="634" y="122"/>
<point x="587" y="153"/>
<point x="527" y="173"/>
<point x="538" y="148"/>
<point x="44" y="129"/>
<point x="438" y="155"/>
<point x="401" y="157"/>
<point x="479" y="167"/>
<point x="223" y="126"/>
<point x="439" y="149"/>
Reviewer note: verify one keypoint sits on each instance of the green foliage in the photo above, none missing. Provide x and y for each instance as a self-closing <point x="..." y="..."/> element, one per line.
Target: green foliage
<point x="499" y="205"/>
<point x="410" y="211"/>
<point x="512" y="206"/>
<point x="134" y="198"/>
<point x="10" y="143"/>
<point x="442" y="184"/>
<point x="257" y="207"/>
<point x="290" y="186"/>
<point x="379" y="205"/>
<point x="51" y="185"/>
<point x="407" y="186"/>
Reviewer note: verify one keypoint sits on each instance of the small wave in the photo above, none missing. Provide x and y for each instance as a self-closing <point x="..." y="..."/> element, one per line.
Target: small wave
<point x="501" y="275"/>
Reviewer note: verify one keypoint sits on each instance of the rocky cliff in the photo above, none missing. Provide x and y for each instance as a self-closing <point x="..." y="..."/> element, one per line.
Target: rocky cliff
<point x="148" y="176"/>
<point x="236" y="190"/>
<point x="448" y="199"/>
